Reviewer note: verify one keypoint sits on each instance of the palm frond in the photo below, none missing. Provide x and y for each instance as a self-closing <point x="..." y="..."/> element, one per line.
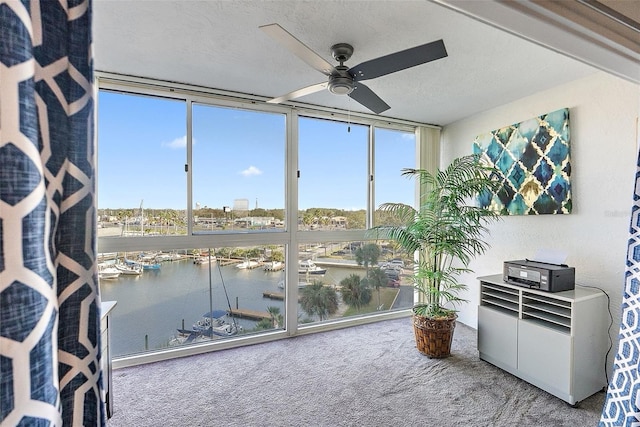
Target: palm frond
<point x="447" y="229"/>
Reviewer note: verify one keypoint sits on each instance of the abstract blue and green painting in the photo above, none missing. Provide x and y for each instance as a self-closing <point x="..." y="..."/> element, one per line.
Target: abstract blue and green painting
<point x="533" y="163"/>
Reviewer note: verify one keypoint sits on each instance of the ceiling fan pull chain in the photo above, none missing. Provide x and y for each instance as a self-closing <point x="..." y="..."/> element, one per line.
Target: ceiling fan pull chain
<point x="349" y="115"/>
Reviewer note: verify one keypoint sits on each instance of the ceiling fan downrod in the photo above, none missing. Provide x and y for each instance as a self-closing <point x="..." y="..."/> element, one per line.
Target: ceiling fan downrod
<point x="341" y="83"/>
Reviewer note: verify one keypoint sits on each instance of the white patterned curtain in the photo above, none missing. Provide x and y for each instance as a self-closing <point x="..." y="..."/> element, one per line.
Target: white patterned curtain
<point x="49" y="304"/>
<point x="622" y="404"/>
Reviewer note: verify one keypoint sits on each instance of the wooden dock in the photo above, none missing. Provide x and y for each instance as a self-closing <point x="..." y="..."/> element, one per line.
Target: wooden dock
<point x="228" y="261"/>
<point x="249" y="314"/>
<point x="273" y="295"/>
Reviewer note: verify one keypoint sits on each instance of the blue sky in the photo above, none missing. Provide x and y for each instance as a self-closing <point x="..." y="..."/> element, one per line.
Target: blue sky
<point x="237" y="154"/>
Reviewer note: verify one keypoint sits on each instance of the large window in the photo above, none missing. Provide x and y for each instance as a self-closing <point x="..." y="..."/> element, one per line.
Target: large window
<point x="187" y="296"/>
<point x="333" y="180"/>
<point x="342" y="279"/>
<point x="190" y="191"/>
<point x="238" y="169"/>
<point x="142" y="185"/>
<point x="394" y="151"/>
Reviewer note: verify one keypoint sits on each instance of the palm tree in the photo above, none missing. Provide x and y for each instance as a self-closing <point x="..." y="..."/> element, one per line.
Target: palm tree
<point x="264" y="324"/>
<point x="447" y="230"/>
<point x="355" y="292"/>
<point x="276" y="317"/>
<point x="368" y="255"/>
<point x="377" y="279"/>
<point x="319" y="299"/>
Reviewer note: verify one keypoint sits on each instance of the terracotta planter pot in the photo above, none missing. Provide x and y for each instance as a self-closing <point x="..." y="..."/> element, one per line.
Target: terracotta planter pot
<point x="434" y="336"/>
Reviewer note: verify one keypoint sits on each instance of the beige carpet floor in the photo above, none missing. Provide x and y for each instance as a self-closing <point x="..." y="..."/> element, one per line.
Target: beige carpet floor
<point x="369" y="375"/>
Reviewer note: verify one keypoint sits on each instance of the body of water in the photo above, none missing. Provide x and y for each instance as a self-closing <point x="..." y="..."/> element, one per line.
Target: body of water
<point x="153" y="306"/>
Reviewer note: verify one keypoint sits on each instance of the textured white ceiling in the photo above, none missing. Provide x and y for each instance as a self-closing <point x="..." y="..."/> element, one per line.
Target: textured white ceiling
<point x="218" y="44"/>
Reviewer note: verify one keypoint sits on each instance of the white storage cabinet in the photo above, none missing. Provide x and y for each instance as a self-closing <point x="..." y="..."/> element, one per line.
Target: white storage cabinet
<point x="555" y="341"/>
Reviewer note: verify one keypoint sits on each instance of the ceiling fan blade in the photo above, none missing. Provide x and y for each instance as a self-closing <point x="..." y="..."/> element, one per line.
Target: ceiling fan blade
<point x="399" y="61"/>
<point x="368" y="98"/>
<point x="298" y="93"/>
<point x="298" y="48"/>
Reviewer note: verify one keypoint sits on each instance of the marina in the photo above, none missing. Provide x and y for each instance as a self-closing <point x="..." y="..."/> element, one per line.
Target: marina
<point x="155" y="304"/>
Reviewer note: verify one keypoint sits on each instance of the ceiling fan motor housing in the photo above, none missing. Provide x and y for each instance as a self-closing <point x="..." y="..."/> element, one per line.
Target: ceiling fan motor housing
<point x="341" y="83"/>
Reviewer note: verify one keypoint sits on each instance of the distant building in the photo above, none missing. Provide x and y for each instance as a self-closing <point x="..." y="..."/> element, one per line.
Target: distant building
<point x="258" y="221"/>
<point x="241" y="205"/>
<point x="339" y="221"/>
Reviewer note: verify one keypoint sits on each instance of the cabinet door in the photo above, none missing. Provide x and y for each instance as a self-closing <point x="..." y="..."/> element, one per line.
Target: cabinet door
<point x="498" y="337"/>
<point x="544" y="356"/>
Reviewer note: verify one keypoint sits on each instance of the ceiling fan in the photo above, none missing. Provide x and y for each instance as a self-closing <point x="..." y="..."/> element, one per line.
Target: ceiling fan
<point x="347" y="81"/>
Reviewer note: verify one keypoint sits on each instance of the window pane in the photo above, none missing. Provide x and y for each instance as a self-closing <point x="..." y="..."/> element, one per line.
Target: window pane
<point x="394" y="151"/>
<point x="332" y="189"/>
<point x="347" y="279"/>
<point x="238" y="169"/>
<point x="142" y="186"/>
<point x="173" y="298"/>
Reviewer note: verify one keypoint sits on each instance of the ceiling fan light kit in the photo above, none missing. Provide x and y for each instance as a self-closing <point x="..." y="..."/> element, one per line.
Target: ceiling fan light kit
<point x="343" y="80"/>
<point x="340" y="84"/>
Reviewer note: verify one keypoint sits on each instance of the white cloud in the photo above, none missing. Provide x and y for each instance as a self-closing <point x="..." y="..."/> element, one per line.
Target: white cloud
<point x="180" y="142"/>
<point x="251" y="171"/>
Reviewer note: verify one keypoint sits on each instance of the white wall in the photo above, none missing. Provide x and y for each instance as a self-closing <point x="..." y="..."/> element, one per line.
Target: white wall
<point x="603" y="121"/>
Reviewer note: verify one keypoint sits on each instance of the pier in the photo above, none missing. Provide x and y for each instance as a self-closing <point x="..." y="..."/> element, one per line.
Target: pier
<point x="228" y="261"/>
<point x="273" y="295"/>
<point x="249" y="314"/>
<point x="329" y="263"/>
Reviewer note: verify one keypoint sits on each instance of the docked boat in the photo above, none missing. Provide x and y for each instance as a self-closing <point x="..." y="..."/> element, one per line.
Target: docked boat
<point x="247" y="264"/>
<point x="146" y="265"/>
<point x="215" y="318"/>
<point x="108" y="273"/>
<point x="150" y="265"/>
<point x="164" y="257"/>
<point x="273" y="266"/>
<point x="129" y="270"/>
<point x="204" y="260"/>
<point x="309" y="267"/>
<point x="212" y="323"/>
<point x="148" y="257"/>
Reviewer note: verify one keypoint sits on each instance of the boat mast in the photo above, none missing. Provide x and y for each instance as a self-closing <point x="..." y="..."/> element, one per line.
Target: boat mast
<point x="210" y="295"/>
<point x="141" y="218"/>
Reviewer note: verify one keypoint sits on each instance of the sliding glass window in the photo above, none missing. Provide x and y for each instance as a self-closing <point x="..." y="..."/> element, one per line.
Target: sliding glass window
<point x="332" y="189"/>
<point x="341" y="278"/>
<point x="238" y="170"/>
<point x="142" y="150"/>
<point x="394" y="151"/>
<point x="189" y="296"/>
<point x="195" y="195"/>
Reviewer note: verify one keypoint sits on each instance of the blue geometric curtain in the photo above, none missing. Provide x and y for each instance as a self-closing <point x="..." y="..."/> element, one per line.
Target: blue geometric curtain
<point x="49" y="303"/>
<point x="622" y="405"/>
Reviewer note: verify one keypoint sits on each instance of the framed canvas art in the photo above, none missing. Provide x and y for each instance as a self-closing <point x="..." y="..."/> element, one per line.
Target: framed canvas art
<point x="533" y="163"/>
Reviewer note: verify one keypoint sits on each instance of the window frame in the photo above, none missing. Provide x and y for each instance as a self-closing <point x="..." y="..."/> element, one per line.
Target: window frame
<point x="290" y="238"/>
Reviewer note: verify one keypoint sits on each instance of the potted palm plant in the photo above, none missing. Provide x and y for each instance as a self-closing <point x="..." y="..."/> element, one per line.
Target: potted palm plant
<point x="446" y="232"/>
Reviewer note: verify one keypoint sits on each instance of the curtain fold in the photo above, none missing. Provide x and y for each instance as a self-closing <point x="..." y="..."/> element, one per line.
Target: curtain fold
<point x="49" y="300"/>
<point x="622" y="404"/>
